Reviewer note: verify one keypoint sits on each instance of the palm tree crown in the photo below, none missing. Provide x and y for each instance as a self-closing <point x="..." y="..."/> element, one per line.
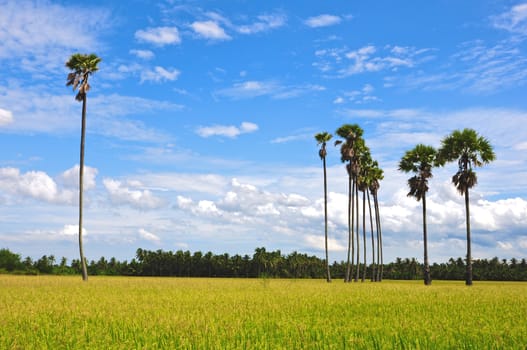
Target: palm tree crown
<point x="82" y="66"/>
<point x="470" y="150"/>
<point x="419" y="161"/>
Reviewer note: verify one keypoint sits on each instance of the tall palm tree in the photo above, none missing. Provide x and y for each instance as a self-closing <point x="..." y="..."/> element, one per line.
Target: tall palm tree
<point x="470" y="150"/>
<point x="420" y="161"/>
<point x="350" y="133"/>
<point x="376" y="174"/>
<point x="81" y="66"/>
<point x="322" y="138"/>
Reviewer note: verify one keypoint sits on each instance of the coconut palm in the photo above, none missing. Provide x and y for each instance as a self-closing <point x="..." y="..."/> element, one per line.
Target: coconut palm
<point x="322" y="138"/>
<point x="470" y="150"/>
<point x="81" y="66"/>
<point x="363" y="180"/>
<point x="350" y="133"/>
<point x="420" y="161"/>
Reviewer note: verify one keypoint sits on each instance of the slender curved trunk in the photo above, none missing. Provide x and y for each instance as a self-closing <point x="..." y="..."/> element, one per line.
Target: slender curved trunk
<point x="81" y="187"/>
<point x="468" y="281"/>
<point x="372" y="239"/>
<point x="427" y="278"/>
<point x="328" y="274"/>
<point x="364" y="234"/>
<point x="357" y="274"/>
<point x="347" y="278"/>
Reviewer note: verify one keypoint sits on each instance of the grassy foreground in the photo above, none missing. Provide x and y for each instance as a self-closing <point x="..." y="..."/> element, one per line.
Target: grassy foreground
<point x="51" y="312"/>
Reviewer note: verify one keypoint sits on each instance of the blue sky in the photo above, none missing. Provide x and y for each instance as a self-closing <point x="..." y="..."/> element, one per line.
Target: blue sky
<point x="202" y="116"/>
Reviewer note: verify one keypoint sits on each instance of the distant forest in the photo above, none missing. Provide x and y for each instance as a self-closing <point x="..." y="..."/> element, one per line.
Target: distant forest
<point x="262" y="263"/>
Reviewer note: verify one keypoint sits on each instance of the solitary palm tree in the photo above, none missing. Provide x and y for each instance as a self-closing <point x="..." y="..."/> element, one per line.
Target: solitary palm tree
<point x="81" y="66"/>
<point x="470" y="150"/>
<point x="351" y="133"/>
<point x="420" y="161"/>
<point x="322" y="138"/>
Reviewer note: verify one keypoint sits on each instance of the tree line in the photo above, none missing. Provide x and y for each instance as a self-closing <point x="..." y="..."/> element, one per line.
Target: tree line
<point x="261" y="263"/>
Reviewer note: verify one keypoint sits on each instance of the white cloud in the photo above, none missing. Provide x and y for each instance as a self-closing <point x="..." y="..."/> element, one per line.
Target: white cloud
<point x="136" y="198"/>
<point x="70" y="177"/>
<point x="159" y="74"/>
<point x="72" y="230"/>
<point x="159" y="35"/>
<point x="514" y="20"/>
<point x="254" y="88"/>
<point x="40" y="34"/>
<point x="227" y="130"/>
<point x="368" y="59"/>
<point x="33" y="185"/>
<point x="144" y="54"/>
<point x="324" y="20"/>
<point x="264" y="23"/>
<point x="149" y="236"/>
<point x="210" y="30"/>
<point x="6" y="117"/>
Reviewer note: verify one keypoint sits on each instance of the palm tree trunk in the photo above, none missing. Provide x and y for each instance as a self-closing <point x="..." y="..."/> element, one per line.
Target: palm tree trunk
<point x="364" y="233"/>
<point x="428" y="280"/>
<point x="468" y="281"/>
<point x="372" y="239"/>
<point x="328" y="274"/>
<point x="357" y="274"/>
<point x="350" y="231"/>
<point x="379" y="239"/>
<point x="81" y="187"/>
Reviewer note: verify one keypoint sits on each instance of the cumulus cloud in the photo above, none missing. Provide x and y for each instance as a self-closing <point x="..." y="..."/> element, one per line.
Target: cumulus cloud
<point x="210" y="30"/>
<point x="136" y="198"/>
<point x="70" y="177"/>
<point x="159" y="35"/>
<point x="159" y="74"/>
<point x="6" y="117"/>
<point x="35" y="185"/>
<point x="71" y="230"/>
<point x="324" y="20"/>
<point x="227" y="130"/>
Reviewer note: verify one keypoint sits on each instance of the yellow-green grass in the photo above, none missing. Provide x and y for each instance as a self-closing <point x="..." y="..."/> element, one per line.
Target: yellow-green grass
<point x="48" y="312"/>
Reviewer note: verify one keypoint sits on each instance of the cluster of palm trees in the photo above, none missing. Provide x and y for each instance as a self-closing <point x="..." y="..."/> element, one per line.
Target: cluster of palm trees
<point x="466" y="146"/>
<point x="470" y="150"/>
<point x="364" y="175"/>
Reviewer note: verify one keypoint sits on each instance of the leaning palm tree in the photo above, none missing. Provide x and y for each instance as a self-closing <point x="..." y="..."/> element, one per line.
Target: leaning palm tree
<point x="81" y="66"/>
<point x="420" y="161"/>
<point x="470" y="150"/>
<point x="322" y="138"/>
<point x="350" y="133"/>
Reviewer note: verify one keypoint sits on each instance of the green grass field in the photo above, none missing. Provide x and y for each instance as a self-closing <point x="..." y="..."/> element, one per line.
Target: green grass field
<point x="51" y="312"/>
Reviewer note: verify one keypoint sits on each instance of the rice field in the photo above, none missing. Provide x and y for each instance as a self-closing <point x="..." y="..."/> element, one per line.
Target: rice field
<point x="52" y="312"/>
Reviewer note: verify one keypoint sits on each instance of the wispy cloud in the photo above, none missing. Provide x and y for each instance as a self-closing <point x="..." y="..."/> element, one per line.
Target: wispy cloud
<point x="159" y="35"/>
<point x="39" y="35"/>
<point x="514" y="20"/>
<point x="144" y="54"/>
<point x="274" y="89"/>
<point x="264" y="23"/>
<point x="324" y="20"/>
<point x="362" y="96"/>
<point x="227" y="130"/>
<point x="342" y="62"/>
